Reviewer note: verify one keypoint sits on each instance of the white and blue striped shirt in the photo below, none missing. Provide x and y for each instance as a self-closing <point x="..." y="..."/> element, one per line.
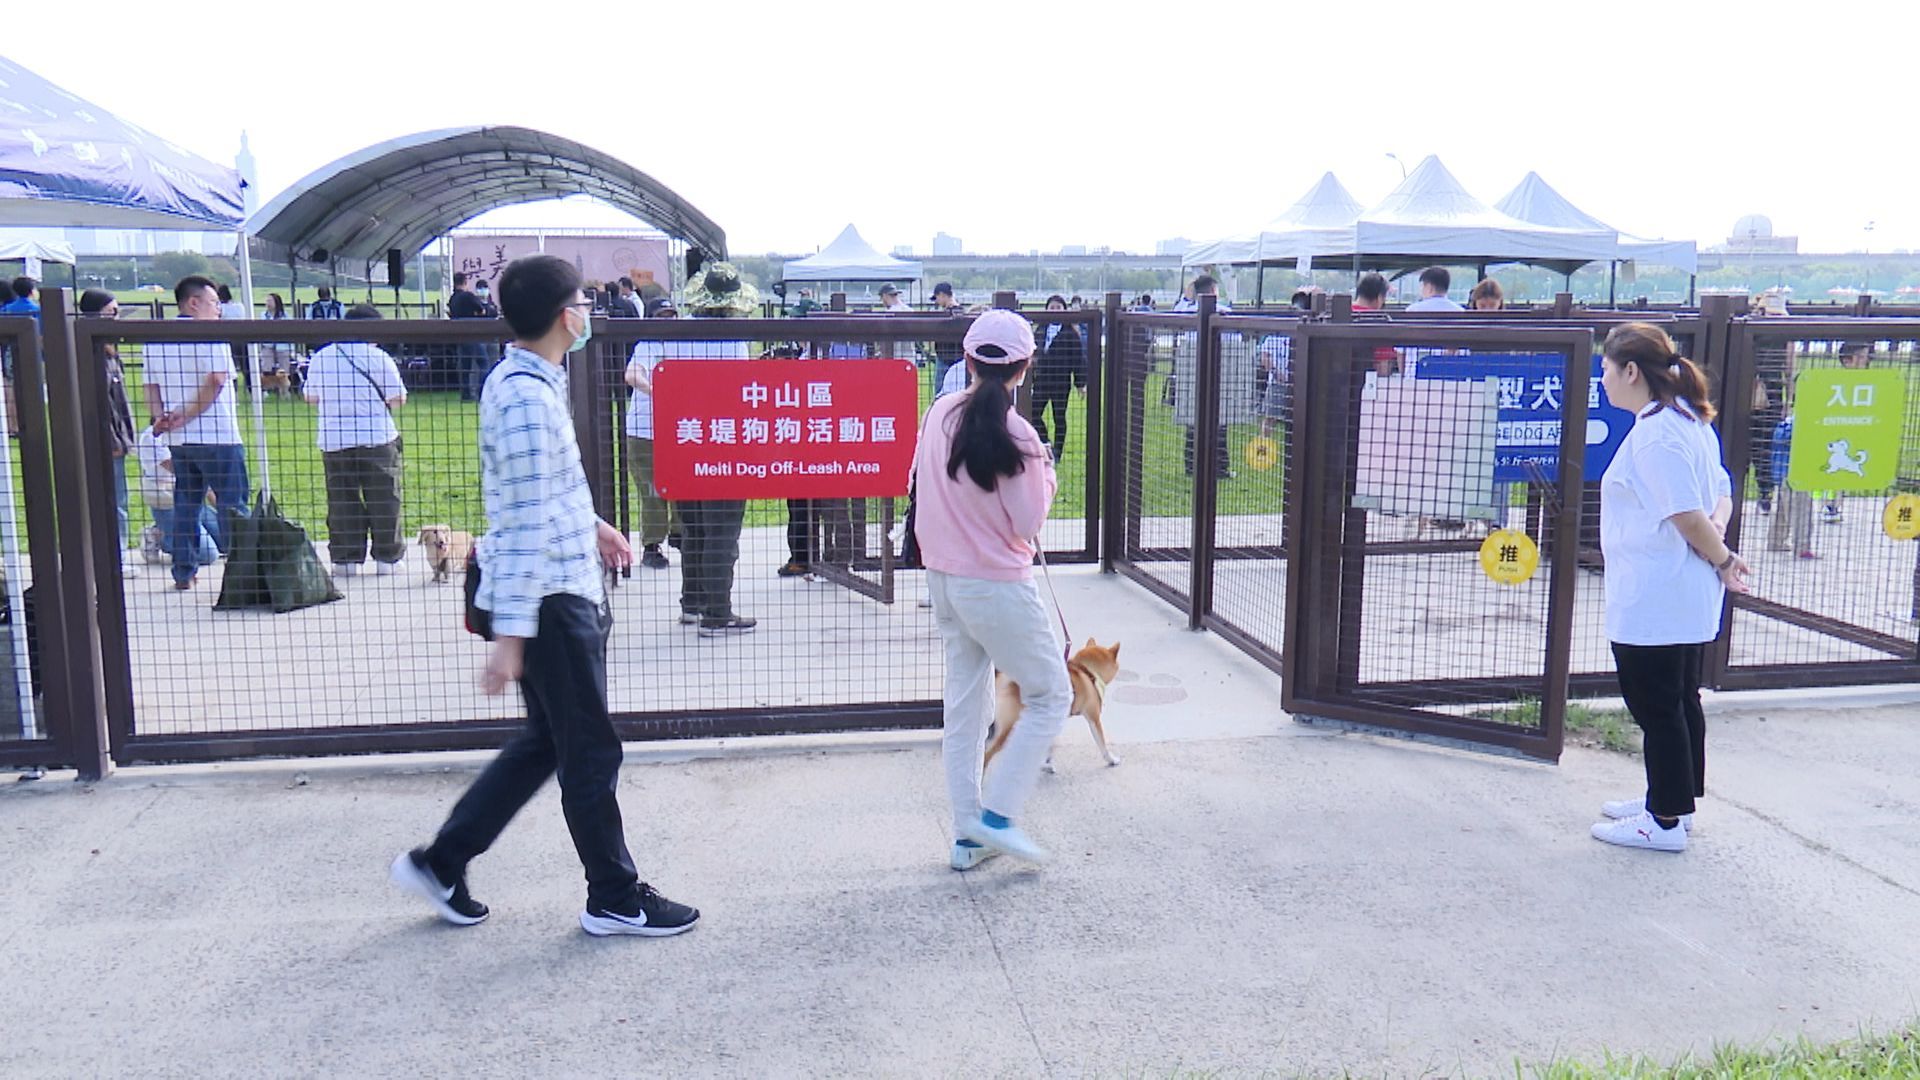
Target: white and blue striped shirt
<point x="542" y="538"/>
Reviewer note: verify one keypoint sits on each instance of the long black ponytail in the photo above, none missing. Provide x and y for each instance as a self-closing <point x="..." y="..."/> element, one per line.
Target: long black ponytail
<point x="981" y="441"/>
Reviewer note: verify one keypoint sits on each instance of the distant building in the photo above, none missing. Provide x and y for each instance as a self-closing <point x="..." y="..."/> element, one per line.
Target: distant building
<point x="1176" y="246"/>
<point x="903" y="251"/>
<point x="947" y="245"/>
<point x="243" y="163"/>
<point x="1753" y="235"/>
<point x="1073" y="249"/>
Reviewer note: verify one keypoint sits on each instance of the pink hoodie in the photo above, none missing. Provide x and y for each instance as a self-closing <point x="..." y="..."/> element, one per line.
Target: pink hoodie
<point x="968" y="532"/>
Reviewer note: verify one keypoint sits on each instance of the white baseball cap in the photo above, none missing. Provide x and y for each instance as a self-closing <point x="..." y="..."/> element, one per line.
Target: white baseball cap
<point x="1007" y="332"/>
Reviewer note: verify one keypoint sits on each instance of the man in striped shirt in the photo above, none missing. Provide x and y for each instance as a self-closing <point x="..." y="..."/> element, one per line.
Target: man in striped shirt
<point x="541" y="580"/>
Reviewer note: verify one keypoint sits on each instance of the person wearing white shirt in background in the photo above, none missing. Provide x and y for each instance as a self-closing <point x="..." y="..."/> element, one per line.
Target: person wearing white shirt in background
<point x="156" y="490"/>
<point x="1664" y="505"/>
<point x="1434" y="283"/>
<point x="357" y="386"/>
<point x="189" y="391"/>
<point x="892" y="303"/>
<point x="658" y="520"/>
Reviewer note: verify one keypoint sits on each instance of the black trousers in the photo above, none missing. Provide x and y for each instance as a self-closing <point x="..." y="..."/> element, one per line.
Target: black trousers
<point x="709" y="548"/>
<point x="1052" y="395"/>
<point x="363" y="503"/>
<point x="1662" y="686"/>
<point x="568" y="732"/>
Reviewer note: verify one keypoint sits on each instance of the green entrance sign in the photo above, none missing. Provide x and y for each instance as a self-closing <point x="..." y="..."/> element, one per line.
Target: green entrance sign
<point x="1846" y="429"/>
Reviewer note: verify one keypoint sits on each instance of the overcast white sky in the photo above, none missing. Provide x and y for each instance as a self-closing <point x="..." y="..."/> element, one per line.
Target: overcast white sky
<point x="1032" y="125"/>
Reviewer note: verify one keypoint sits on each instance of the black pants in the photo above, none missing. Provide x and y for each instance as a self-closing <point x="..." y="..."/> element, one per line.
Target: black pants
<point x="1222" y="460"/>
<point x="799" y="529"/>
<point x="1662" y="686"/>
<point x="709" y="549"/>
<point x="568" y="732"/>
<point x="1052" y="395"/>
<point x="363" y="503"/>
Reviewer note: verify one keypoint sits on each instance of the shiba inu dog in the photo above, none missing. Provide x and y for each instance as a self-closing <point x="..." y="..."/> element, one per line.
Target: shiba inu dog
<point x="1090" y="671"/>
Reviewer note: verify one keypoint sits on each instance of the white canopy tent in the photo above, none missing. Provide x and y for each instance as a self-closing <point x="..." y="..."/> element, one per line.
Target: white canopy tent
<point x="850" y="258"/>
<point x="1322" y="216"/>
<point x="1535" y="200"/>
<point x="33" y="248"/>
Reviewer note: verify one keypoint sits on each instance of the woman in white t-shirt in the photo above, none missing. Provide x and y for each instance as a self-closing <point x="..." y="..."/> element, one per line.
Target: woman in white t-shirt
<point x="1664" y="505"/>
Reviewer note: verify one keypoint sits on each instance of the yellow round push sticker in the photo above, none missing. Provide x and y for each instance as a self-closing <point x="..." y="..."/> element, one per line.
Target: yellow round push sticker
<point x="1262" y="453"/>
<point x="1902" y="517"/>
<point x="1509" y="556"/>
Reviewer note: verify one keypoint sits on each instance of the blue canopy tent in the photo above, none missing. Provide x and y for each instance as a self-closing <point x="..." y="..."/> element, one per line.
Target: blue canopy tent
<point x="66" y="162"/>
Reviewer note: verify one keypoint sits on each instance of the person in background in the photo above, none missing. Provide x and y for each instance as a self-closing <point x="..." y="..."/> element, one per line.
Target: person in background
<point x="658" y="519"/>
<point x="19" y="294"/>
<point x="1061" y="368"/>
<point x="802" y="306"/>
<point x="1370" y="294"/>
<point x="466" y="303"/>
<point x="983" y="483"/>
<point x="157" y="490"/>
<point x="893" y="303"/>
<point x="1206" y="285"/>
<point x="1665" y="501"/>
<point x="325" y="306"/>
<point x="710" y="547"/>
<point x="626" y="305"/>
<point x="275" y="357"/>
<point x="1486" y="296"/>
<point x="356" y="387"/>
<point x="1434" y="283"/>
<point x="230" y="308"/>
<point x="543" y="562"/>
<point x="99" y="303"/>
<point x="1275" y="356"/>
<point x="189" y="389"/>
<point x="946" y="354"/>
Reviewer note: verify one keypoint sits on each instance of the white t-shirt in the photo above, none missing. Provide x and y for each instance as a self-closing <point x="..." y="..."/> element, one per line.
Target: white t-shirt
<point x="955" y="381"/>
<point x="233" y="309"/>
<point x="1659" y="591"/>
<point x="156" y="483"/>
<point x="179" y="368"/>
<point x="646" y="357"/>
<point x="352" y="412"/>
<point x="1434" y="303"/>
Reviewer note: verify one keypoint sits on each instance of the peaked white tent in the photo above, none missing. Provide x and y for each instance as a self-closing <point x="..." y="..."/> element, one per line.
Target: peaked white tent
<point x="29" y="247"/>
<point x="849" y="258"/>
<point x="1430" y="217"/>
<point x="1317" y="223"/>
<point x="1536" y="201"/>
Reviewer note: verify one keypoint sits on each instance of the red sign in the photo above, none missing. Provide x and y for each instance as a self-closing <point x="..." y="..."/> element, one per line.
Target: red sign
<point x="783" y="429"/>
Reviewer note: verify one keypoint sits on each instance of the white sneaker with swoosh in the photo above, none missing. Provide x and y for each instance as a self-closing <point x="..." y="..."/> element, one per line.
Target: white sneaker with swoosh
<point x="1626" y="808"/>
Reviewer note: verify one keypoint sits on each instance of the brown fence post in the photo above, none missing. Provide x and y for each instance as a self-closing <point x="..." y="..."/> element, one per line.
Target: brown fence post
<point x="1729" y="362"/>
<point x="116" y="667"/>
<point x="1007" y="298"/>
<point x="1109" y="447"/>
<point x="73" y="497"/>
<point x="1206" y="480"/>
<point x="1562" y="305"/>
<point x="1096" y="420"/>
<point x="837" y="302"/>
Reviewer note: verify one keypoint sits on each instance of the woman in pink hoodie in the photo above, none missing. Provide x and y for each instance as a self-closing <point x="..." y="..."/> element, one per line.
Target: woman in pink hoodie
<point x="984" y="484"/>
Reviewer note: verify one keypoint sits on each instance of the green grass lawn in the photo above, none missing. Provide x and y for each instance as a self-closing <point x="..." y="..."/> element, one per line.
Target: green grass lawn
<point x="1895" y="1055"/>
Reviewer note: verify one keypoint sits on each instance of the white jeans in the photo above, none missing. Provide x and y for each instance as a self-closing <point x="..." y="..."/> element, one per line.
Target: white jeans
<point x="1002" y="625"/>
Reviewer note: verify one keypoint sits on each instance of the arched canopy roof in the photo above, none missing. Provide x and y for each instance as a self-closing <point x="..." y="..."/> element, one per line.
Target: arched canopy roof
<point x="405" y="192"/>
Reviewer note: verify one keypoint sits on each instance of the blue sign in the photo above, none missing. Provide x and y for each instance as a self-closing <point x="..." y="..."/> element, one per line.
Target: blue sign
<point x="1532" y="393"/>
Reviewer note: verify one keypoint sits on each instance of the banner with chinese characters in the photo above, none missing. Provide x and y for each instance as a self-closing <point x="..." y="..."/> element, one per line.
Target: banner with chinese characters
<point x="783" y="429"/>
<point x="1532" y="389"/>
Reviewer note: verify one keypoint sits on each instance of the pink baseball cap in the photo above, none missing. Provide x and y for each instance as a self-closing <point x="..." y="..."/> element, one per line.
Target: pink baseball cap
<point x="1005" y="332"/>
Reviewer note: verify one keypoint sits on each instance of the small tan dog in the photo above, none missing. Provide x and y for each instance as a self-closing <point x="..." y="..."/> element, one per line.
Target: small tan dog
<point x="277" y="382"/>
<point x="1090" y="671"/>
<point x="446" y="549"/>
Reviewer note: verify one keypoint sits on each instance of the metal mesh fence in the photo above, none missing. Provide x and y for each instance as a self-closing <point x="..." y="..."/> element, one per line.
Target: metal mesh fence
<point x="1249" y="591"/>
<point x="1156" y="450"/>
<point x="1833" y="422"/>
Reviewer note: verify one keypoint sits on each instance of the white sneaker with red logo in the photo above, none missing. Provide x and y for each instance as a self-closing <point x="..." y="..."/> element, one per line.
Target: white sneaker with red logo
<point x="1641" y="831"/>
